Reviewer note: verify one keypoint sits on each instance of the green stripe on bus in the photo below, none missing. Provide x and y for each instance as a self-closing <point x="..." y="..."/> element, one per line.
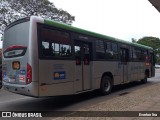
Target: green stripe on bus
<point x="86" y="32"/>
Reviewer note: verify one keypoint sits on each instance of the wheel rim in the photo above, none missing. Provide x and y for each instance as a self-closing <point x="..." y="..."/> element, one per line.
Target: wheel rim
<point x="107" y="85"/>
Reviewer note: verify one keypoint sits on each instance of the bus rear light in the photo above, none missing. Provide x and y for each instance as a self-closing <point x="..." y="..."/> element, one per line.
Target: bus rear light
<point x="14" y="51"/>
<point x="15" y="47"/>
<point x="147" y="63"/>
<point x="29" y="74"/>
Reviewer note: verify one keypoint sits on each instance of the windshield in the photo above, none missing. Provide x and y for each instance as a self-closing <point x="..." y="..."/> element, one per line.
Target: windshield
<point x="16" y="40"/>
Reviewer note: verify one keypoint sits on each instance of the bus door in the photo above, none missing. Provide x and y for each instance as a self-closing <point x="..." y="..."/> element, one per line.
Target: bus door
<point x="124" y="62"/>
<point x="152" y="63"/>
<point x="83" y="65"/>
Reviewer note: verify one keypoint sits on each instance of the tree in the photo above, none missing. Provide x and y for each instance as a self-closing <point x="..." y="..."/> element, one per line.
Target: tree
<point x="11" y="10"/>
<point x="134" y="40"/>
<point x="153" y="42"/>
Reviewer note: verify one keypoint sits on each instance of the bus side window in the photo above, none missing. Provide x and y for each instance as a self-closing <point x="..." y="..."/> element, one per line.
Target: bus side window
<point x="77" y="55"/>
<point x="124" y="55"/>
<point x="56" y="44"/>
<point x="111" y="51"/>
<point x="65" y="50"/>
<point x="55" y="49"/>
<point x="45" y="48"/>
<point x="134" y="57"/>
<point x="100" y="52"/>
<point x="151" y="58"/>
<point x="86" y="54"/>
<point x="114" y="51"/>
<point x="108" y="50"/>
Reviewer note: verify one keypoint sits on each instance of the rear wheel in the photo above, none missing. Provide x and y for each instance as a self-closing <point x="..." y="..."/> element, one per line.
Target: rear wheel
<point x="106" y="85"/>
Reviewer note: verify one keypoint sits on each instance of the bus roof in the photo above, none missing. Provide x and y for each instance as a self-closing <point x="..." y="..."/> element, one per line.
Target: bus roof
<point x="79" y="30"/>
<point x="86" y="32"/>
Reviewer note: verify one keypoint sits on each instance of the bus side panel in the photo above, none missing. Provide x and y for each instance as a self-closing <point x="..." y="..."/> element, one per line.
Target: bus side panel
<point x="108" y="66"/>
<point x="33" y="50"/>
<point x="56" y="77"/>
<point x="137" y="70"/>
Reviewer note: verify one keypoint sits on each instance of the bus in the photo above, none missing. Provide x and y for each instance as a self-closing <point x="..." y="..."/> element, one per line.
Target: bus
<point x="46" y="58"/>
<point x="0" y="65"/>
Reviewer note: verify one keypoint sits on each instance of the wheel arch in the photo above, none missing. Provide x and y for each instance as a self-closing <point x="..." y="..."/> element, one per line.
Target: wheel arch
<point x="107" y="77"/>
<point x="109" y="74"/>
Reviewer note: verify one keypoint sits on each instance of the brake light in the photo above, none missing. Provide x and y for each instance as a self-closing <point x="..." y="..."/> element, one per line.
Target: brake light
<point x="29" y="74"/>
<point x="15" y="47"/>
<point x="14" y="51"/>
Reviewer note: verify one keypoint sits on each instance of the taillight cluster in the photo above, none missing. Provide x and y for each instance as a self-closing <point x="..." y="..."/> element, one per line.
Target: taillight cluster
<point x="29" y="74"/>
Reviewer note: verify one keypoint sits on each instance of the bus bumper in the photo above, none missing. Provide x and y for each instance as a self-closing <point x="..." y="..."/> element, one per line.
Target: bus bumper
<point x="28" y="90"/>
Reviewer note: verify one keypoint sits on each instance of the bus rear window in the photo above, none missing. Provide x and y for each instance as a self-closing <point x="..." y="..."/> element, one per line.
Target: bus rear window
<point x="14" y="51"/>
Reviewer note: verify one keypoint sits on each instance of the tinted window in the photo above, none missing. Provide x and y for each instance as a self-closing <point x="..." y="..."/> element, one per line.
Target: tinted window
<point x="115" y="51"/>
<point x="55" y="44"/>
<point x="100" y="53"/>
<point x="134" y="55"/>
<point x="111" y="50"/>
<point x="138" y="54"/>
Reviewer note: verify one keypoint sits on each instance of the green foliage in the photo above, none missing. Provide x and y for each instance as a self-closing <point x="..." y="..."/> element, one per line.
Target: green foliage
<point x="11" y="10"/>
<point x="153" y="42"/>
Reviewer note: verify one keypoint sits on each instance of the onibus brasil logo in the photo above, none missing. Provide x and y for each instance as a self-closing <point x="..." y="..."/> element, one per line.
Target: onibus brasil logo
<point x="20" y="114"/>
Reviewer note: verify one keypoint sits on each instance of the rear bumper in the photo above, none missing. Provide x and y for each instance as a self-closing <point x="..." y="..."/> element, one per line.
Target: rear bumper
<point x="28" y="90"/>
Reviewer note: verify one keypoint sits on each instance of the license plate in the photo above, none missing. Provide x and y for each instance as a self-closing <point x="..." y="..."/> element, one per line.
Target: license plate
<point x="12" y="80"/>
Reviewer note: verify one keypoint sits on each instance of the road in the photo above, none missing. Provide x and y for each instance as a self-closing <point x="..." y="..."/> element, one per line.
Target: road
<point x="86" y="101"/>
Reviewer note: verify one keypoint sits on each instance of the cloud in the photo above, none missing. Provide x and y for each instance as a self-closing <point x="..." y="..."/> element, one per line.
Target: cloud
<point x="124" y="19"/>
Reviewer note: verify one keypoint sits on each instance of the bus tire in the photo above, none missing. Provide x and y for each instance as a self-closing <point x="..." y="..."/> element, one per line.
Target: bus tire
<point x="106" y="85"/>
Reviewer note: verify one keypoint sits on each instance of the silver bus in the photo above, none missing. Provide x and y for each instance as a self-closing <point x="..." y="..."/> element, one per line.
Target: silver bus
<point x="46" y="58"/>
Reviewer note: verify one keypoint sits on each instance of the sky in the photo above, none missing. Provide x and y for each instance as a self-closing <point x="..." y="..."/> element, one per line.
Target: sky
<point x="123" y="19"/>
